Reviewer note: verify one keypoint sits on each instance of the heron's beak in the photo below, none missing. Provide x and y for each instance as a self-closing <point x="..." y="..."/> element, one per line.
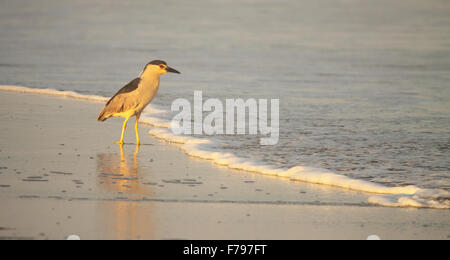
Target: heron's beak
<point x="169" y="69"/>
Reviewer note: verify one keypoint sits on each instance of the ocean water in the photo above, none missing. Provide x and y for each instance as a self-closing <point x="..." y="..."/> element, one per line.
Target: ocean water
<point x="364" y="86"/>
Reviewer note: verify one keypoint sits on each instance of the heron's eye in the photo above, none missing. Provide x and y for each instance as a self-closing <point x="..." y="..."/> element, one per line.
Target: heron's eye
<point x="161" y="66"/>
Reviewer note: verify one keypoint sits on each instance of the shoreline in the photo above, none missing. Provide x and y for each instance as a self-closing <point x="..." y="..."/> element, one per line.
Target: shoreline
<point x="398" y="196"/>
<point x="59" y="164"/>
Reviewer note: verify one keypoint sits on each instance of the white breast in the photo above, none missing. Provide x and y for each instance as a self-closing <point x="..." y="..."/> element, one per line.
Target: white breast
<point x="147" y="91"/>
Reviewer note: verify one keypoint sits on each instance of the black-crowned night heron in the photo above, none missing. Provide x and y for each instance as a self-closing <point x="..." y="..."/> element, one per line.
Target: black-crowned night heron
<point x="135" y="96"/>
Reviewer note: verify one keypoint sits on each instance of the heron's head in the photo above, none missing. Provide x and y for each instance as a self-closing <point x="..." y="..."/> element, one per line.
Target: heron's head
<point x="157" y="67"/>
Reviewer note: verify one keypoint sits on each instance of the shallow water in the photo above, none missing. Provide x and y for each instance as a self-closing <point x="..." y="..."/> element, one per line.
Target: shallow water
<point x="363" y="85"/>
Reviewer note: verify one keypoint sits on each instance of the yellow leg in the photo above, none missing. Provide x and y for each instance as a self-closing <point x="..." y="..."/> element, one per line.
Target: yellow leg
<point x="136" y="128"/>
<point x="123" y="130"/>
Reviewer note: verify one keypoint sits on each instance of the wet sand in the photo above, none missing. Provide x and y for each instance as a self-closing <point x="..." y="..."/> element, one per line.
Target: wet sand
<point x="62" y="174"/>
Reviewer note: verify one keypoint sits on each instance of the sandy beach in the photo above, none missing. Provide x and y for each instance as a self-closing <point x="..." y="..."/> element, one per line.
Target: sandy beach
<point x="61" y="174"/>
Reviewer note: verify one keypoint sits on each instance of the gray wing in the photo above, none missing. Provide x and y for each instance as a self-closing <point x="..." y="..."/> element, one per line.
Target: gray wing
<point x="130" y="87"/>
<point x="119" y="102"/>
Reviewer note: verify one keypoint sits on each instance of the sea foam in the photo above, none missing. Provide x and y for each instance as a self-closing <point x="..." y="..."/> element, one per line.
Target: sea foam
<point x="69" y="94"/>
<point x="405" y="196"/>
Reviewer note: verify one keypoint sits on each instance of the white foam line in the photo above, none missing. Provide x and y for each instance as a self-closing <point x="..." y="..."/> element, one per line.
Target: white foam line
<point x="153" y="121"/>
<point x="199" y="148"/>
<point x="53" y="92"/>
<point x="70" y="94"/>
<point x="408" y="196"/>
<point x="421" y="199"/>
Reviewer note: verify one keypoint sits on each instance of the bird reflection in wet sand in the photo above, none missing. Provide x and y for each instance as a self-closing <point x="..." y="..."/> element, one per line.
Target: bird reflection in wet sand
<point x="118" y="174"/>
